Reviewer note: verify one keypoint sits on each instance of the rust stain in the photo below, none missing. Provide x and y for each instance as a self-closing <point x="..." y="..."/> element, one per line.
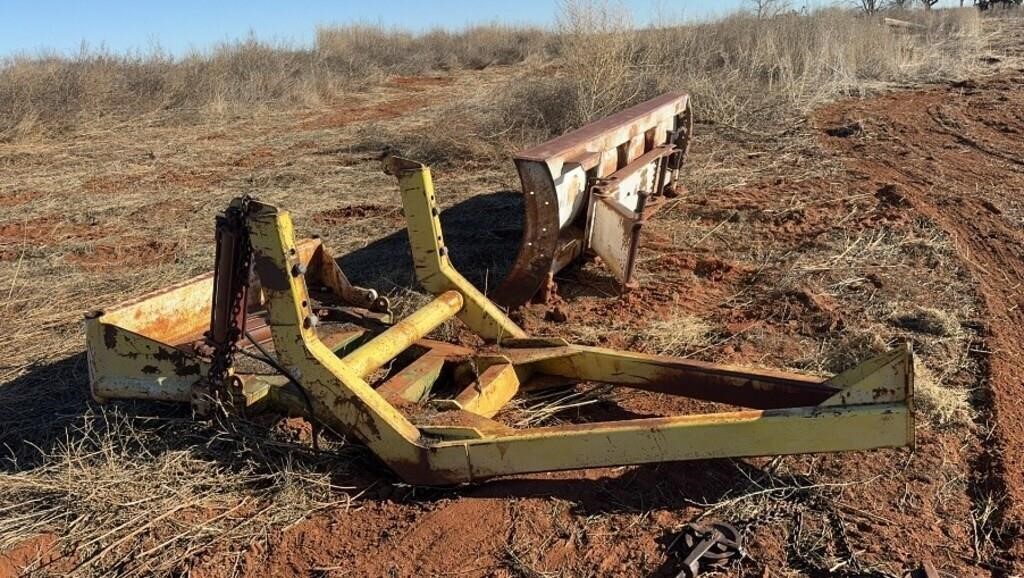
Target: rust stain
<point x="109" y="336"/>
<point x="271" y="276"/>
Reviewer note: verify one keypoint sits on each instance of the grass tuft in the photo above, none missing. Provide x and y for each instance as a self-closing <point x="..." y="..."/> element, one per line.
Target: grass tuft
<point x="928" y="320"/>
<point x="942" y="404"/>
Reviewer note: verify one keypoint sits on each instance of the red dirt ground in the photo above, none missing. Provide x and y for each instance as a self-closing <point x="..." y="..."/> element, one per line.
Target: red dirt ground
<point x="45" y="231"/>
<point x="953" y="154"/>
<point x="134" y="250"/>
<point x="344" y="116"/>
<point x="956" y="154"/>
<point x="419" y="83"/>
<point x="351" y="213"/>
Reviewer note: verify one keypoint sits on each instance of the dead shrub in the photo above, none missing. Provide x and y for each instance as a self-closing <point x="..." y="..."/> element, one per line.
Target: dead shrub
<point x="740" y="70"/>
<point x="603" y="64"/>
<point x="849" y="349"/>
<point x="942" y="404"/>
<point x="47" y="93"/>
<point x="677" y="334"/>
<point x="360" y="49"/>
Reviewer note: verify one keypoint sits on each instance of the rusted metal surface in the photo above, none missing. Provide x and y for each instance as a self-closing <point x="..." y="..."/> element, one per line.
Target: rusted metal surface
<point x="708" y="547"/>
<point x="743" y="387"/>
<point x="427" y="438"/>
<point x="333" y="278"/>
<point x="228" y="312"/>
<point x="413" y="383"/>
<point x="638" y="150"/>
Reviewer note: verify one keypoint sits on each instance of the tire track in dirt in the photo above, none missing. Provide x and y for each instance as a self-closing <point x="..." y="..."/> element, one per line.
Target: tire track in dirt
<point x="957" y="154"/>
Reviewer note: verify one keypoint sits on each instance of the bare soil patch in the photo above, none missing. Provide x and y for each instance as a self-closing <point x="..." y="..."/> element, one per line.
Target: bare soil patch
<point x="418" y="83"/>
<point x="956" y="155"/>
<point x="127" y="252"/>
<point x="344" y="116"/>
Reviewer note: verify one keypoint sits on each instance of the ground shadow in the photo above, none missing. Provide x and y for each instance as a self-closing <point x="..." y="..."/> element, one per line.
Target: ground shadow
<point x="38" y="407"/>
<point x="482" y="234"/>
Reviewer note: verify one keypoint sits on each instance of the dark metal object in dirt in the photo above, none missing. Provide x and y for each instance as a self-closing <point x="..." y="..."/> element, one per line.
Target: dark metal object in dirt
<point x="709" y="546"/>
<point x="927" y="570"/>
<point x="589" y="192"/>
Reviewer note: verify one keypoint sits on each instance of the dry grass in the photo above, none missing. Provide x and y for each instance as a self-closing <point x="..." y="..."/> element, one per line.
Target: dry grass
<point x="363" y="51"/>
<point x="741" y="71"/>
<point x="944" y="405"/>
<point x="182" y="489"/>
<point x="677" y="334"/>
<point x="145" y="496"/>
<point x="46" y="94"/>
<point x="876" y="318"/>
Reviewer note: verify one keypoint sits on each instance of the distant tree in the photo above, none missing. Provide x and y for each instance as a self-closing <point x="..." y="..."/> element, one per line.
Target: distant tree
<point x="929" y="3"/>
<point x="869" y="6"/>
<point x="768" y="8"/>
<point x="899" y="4"/>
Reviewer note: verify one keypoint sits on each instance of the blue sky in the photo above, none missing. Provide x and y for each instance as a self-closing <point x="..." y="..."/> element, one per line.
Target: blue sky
<point x="179" y="25"/>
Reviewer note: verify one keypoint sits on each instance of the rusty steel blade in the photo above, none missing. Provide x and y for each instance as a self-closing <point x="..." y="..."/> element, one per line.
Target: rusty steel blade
<point x="559" y="176"/>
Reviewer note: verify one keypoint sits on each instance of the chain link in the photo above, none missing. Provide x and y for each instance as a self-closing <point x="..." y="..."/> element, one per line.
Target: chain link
<point x="222" y="358"/>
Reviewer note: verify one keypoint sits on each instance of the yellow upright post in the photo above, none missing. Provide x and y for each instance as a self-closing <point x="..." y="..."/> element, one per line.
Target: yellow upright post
<point x="430" y="256"/>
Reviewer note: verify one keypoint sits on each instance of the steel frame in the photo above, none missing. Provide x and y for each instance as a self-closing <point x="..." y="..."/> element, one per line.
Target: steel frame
<point x="436" y="436"/>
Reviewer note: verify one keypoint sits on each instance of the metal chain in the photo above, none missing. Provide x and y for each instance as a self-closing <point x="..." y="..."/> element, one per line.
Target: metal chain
<point x="223" y="356"/>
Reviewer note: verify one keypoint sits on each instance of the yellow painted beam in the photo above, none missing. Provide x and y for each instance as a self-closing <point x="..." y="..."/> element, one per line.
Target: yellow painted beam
<point x="413" y="382"/>
<point x="744" y="387"/>
<point x="380" y="350"/>
<point x="495" y="387"/>
<point x="739" y="434"/>
<point x="341" y="398"/>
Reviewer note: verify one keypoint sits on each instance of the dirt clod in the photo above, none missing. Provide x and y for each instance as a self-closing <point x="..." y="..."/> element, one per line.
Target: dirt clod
<point x="846" y="130"/>
<point x="890" y="195"/>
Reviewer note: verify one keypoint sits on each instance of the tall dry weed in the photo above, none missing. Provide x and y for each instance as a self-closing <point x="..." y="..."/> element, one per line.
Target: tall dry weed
<point x="46" y="94"/>
<point x="740" y="70"/>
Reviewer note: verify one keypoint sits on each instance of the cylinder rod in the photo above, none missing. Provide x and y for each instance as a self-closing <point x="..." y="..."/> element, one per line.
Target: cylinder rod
<point x="375" y="353"/>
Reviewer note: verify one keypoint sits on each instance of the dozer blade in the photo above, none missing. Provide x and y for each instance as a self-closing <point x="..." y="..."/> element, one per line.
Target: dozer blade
<point x="590" y="191"/>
